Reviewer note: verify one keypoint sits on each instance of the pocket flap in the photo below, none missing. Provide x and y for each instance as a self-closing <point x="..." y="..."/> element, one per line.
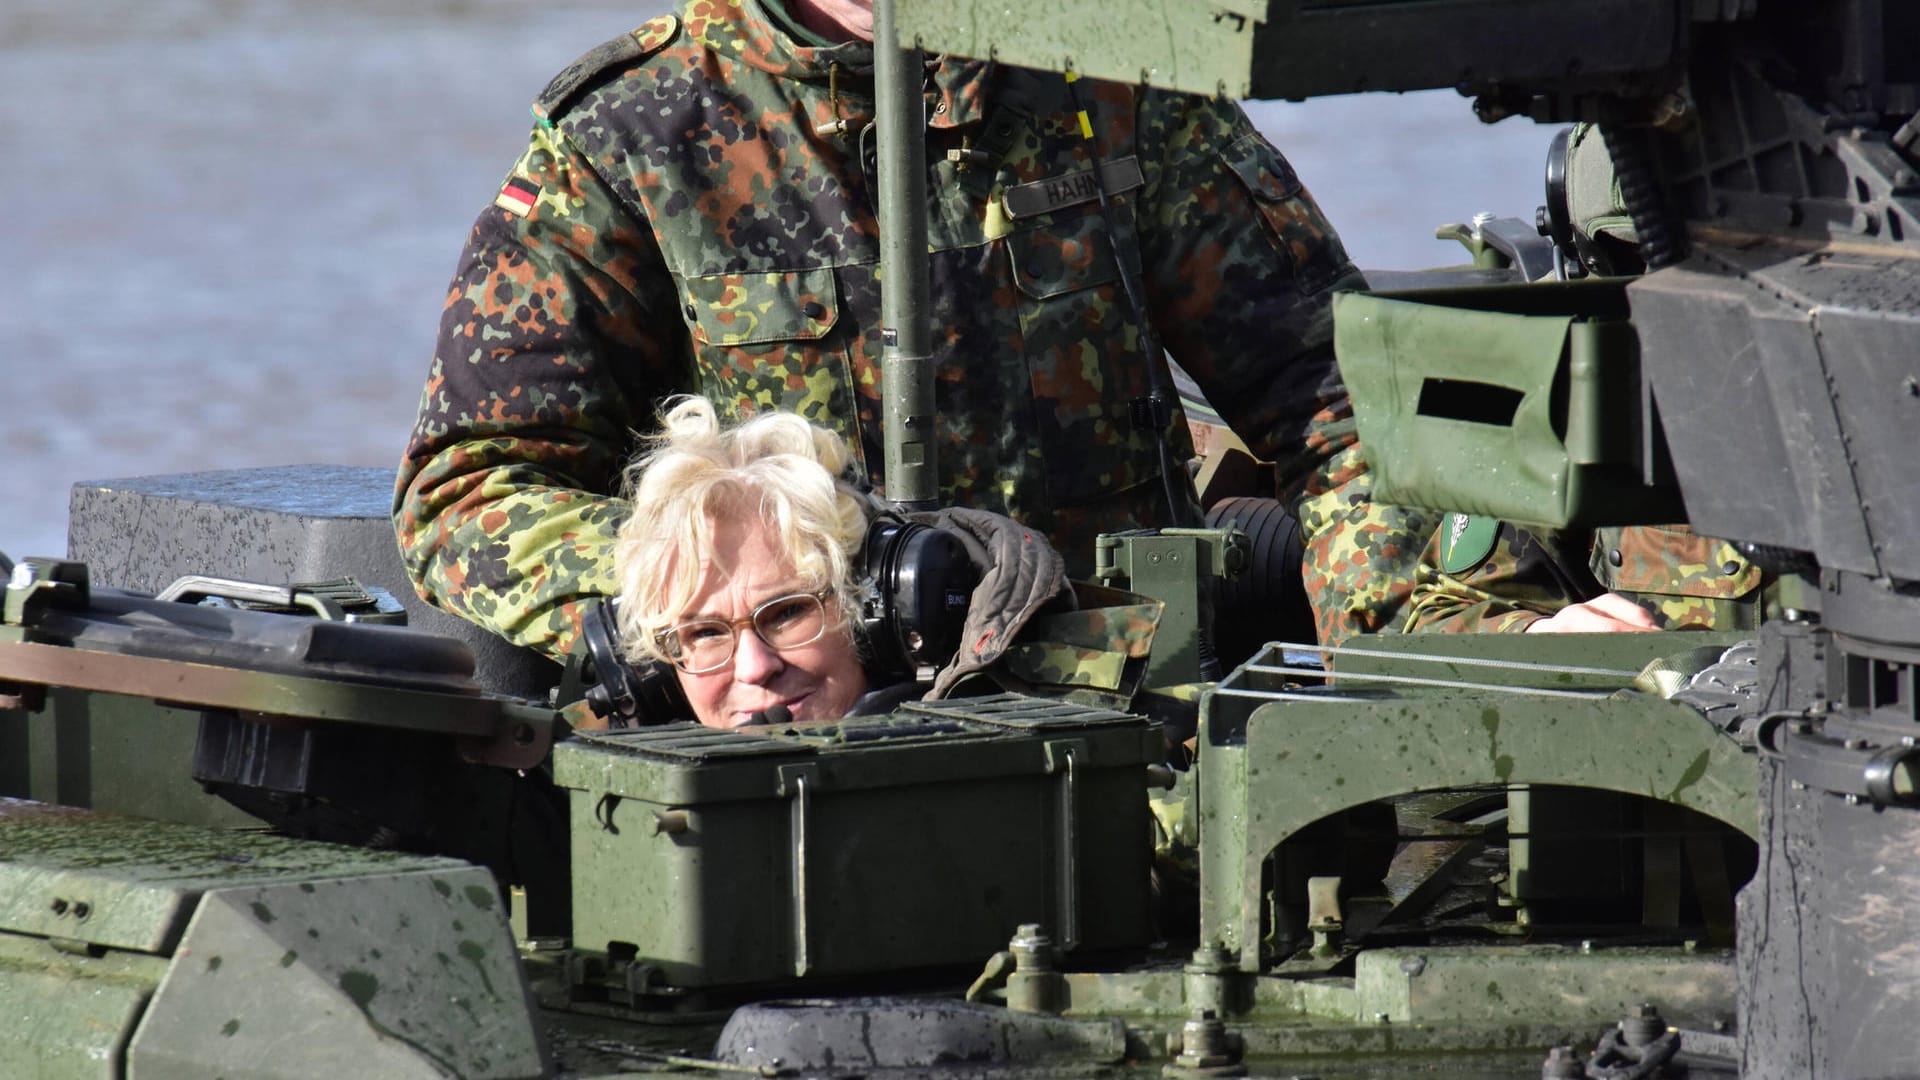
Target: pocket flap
<point x="1655" y="560"/>
<point x="1269" y="176"/>
<point x="1064" y="257"/>
<point x="752" y="308"/>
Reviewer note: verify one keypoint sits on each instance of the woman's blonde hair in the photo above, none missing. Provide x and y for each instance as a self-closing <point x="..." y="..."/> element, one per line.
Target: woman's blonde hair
<point x="773" y="465"/>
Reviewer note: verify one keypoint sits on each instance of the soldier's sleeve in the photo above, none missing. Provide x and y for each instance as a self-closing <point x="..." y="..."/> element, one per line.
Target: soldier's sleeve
<point x="550" y="351"/>
<point x="1506" y="581"/>
<point x="1241" y="269"/>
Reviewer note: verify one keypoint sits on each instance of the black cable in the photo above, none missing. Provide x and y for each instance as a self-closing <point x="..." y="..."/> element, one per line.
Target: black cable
<point x="1662" y="241"/>
<point x="1159" y="404"/>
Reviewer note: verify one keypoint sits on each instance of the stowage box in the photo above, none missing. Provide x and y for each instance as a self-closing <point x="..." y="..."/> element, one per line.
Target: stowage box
<point x="1522" y="402"/>
<point x="880" y="843"/>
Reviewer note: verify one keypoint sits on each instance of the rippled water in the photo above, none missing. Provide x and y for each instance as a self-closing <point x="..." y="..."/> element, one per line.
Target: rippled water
<point x="232" y="221"/>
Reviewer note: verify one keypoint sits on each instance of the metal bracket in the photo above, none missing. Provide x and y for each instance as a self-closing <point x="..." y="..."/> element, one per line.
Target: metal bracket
<point x="34" y="585"/>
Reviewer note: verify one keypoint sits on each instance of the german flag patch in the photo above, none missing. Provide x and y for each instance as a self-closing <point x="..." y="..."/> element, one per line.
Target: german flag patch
<point x="517" y="196"/>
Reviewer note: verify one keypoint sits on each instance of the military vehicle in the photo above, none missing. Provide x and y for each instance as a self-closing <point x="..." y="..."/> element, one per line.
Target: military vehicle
<point x="261" y="831"/>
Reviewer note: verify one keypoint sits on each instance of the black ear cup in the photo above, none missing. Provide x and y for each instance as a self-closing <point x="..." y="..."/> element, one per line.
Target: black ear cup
<point x="917" y="584"/>
<point x="625" y="694"/>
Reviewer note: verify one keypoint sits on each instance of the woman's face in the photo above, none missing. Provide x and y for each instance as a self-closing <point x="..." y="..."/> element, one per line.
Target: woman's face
<point x="820" y="680"/>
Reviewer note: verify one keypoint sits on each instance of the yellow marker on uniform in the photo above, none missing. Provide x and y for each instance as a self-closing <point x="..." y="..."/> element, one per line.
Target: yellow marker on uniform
<point x="1086" y="126"/>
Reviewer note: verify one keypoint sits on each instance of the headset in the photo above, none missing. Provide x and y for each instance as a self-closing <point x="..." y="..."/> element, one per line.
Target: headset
<point x="618" y="691"/>
<point x="916" y="585"/>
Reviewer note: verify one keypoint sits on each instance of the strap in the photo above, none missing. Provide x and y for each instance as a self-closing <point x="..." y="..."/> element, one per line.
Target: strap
<point x="628" y="48"/>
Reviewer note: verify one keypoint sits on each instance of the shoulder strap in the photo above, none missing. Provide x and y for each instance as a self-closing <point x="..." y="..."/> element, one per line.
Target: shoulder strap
<point x="628" y="48"/>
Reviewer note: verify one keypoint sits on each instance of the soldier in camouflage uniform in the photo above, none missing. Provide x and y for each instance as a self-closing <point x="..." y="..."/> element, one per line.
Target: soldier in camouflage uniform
<point x="695" y="213"/>
<point x="1479" y="574"/>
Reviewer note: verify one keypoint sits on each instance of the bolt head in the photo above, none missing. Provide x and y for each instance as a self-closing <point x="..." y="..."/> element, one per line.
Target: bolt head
<point x="1211" y="955"/>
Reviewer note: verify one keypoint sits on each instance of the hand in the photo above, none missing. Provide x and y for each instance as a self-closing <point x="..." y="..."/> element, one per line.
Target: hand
<point x="1608" y="614"/>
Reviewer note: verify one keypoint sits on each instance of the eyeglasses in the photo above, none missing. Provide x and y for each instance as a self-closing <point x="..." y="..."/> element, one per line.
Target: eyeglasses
<point x="699" y="646"/>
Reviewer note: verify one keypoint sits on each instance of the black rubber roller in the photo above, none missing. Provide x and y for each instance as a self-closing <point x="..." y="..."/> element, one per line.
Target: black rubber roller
<point x="1268" y="601"/>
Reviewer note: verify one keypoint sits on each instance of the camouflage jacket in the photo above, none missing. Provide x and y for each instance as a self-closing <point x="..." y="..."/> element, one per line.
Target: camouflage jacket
<point x="1481" y="575"/>
<point x="689" y="217"/>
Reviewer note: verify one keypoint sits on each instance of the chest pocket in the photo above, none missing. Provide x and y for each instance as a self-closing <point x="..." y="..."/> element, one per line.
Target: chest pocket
<point x="1084" y="365"/>
<point x="729" y="310"/>
<point x="1292" y="220"/>
<point x="1690" y="582"/>
<point x="765" y="339"/>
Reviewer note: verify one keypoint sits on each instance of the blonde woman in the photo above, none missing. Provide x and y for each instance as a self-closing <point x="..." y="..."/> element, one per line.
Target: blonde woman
<point x="741" y="566"/>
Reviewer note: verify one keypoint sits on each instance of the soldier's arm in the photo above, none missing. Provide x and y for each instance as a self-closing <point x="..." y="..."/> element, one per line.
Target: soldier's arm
<point x="1518" y="578"/>
<point x="557" y="334"/>
<point x="1242" y="267"/>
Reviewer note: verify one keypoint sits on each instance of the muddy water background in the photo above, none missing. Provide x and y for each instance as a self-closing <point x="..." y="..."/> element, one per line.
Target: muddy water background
<point x="230" y="223"/>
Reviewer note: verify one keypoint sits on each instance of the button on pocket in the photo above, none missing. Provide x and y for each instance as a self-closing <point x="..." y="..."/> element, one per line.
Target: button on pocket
<point x="760" y="308"/>
<point x="764" y="340"/>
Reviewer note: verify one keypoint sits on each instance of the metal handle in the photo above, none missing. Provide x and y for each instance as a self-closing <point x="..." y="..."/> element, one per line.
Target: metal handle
<point x="1060" y="756"/>
<point x="194" y="586"/>
<point x="794" y="783"/>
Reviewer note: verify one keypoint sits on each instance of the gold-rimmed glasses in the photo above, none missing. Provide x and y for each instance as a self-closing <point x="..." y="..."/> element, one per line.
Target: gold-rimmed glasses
<point x="698" y="646"/>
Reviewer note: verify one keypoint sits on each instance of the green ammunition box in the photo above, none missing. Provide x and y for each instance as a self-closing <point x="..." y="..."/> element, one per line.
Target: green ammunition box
<point x="1523" y="403"/>
<point x="917" y="839"/>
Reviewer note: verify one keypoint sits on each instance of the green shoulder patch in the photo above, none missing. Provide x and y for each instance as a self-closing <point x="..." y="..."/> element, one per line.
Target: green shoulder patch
<point x="628" y="48"/>
<point x="1466" y="540"/>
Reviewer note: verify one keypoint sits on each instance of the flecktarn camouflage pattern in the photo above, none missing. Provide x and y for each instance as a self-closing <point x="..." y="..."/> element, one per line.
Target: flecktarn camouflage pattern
<point x="691" y="216"/>
<point x="1095" y="654"/>
<point x="1362" y="558"/>
<point x="1510" y="577"/>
